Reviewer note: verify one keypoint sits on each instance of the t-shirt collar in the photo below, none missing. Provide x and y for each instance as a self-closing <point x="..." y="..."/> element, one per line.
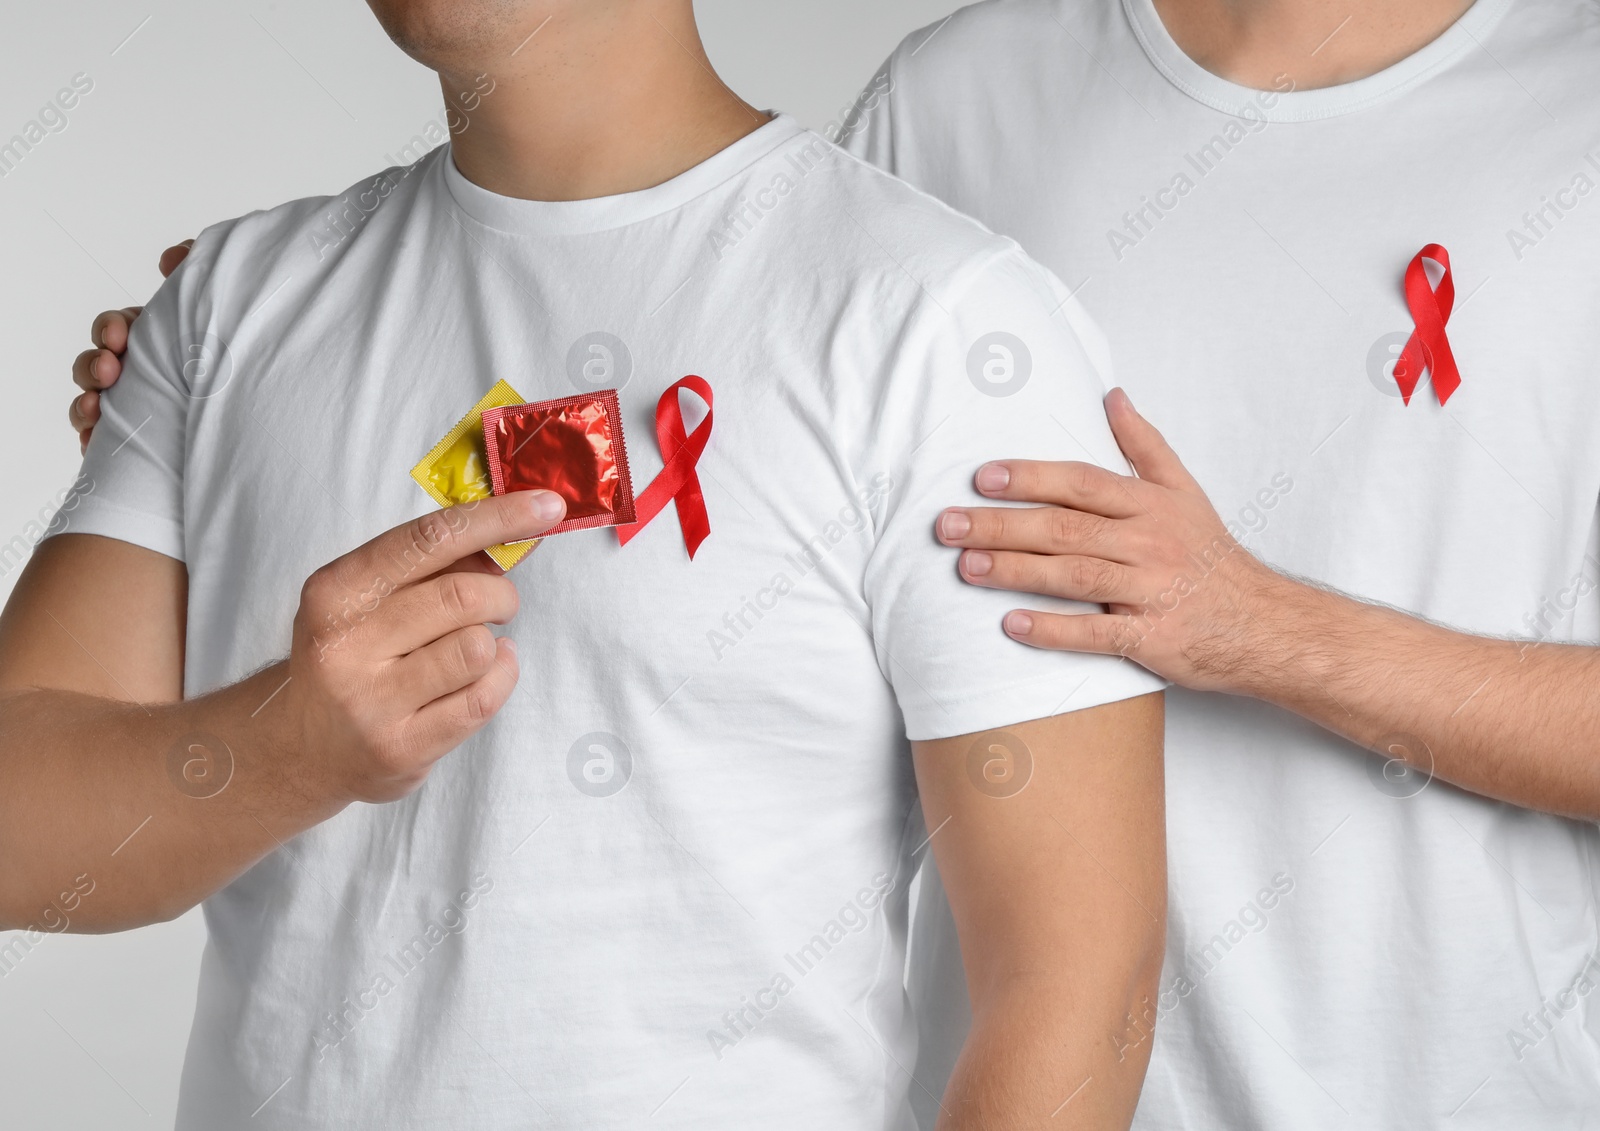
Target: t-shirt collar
<point x="1307" y="105"/>
<point x="577" y="217"/>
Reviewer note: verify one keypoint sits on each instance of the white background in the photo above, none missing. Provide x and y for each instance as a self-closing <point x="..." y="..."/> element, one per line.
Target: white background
<point x="200" y="112"/>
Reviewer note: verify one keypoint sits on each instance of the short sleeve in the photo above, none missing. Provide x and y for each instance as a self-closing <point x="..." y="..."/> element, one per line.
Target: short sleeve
<point x="133" y="471"/>
<point x="998" y="373"/>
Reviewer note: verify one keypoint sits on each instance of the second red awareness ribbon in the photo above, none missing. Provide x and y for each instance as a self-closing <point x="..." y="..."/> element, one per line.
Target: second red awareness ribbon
<point x="1429" y="346"/>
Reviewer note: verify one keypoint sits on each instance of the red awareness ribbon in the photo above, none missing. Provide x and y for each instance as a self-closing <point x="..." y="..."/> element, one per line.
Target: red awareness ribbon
<point x="1429" y="346"/>
<point x="677" y="481"/>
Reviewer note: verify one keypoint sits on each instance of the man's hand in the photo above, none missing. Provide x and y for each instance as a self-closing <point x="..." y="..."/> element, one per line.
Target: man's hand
<point x="1182" y="593"/>
<point x="98" y="368"/>
<point x="392" y="665"/>
<point x="1512" y="721"/>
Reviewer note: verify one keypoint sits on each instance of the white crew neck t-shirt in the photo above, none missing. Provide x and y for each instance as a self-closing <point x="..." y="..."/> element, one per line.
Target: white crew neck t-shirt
<point x="1346" y="949"/>
<point x="667" y="885"/>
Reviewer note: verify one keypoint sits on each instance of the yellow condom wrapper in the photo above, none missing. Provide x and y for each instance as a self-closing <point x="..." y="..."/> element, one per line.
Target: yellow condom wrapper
<point x="457" y="470"/>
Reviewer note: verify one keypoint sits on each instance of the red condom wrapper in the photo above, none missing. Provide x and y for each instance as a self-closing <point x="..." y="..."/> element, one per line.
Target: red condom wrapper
<point x="573" y="446"/>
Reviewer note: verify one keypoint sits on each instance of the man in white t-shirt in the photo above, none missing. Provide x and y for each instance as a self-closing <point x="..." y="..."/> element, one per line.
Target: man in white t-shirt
<point x="1238" y="193"/>
<point x="663" y="880"/>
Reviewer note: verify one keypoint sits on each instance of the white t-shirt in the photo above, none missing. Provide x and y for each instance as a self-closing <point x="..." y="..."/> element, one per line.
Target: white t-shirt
<point x="667" y="884"/>
<point x="1346" y="949"/>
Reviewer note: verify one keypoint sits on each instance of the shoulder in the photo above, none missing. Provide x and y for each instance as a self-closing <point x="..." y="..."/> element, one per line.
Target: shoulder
<point x="239" y="261"/>
<point x="919" y="279"/>
<point x="1558" y="40"/>
<point x="962" y="81"/>
<point x="890" y="237"/>
<point x="981" y="35"/>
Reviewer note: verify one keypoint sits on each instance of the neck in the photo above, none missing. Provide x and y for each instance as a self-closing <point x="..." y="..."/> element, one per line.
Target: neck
<point x="591" y="102"/>
<point x="1315" y="43"/>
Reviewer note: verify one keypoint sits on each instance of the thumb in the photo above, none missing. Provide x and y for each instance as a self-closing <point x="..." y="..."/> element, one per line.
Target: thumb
<point x="1147" y="450"/>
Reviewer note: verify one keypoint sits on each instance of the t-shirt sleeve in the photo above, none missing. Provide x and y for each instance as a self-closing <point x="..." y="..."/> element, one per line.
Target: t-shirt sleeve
<point x="996" y="373"/>
<point x="133" y="471"/>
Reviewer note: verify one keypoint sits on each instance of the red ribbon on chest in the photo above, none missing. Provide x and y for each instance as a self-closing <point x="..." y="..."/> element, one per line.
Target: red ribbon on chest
<point x="1429" y="346"/>
<point x="678" y="482"/>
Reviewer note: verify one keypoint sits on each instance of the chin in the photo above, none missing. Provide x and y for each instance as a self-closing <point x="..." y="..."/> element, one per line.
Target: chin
<point x="448" y="33"/>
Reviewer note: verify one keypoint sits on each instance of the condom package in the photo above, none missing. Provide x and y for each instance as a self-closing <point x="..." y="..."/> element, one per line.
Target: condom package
<point x="456" y="471"/>
<point x="573" y="446"/>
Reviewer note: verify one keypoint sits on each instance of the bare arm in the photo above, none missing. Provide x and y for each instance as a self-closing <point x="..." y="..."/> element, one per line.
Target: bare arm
<point x="1519" y="722"/>
<point x="1059" y="897"/>
<point x="133" y="806"/>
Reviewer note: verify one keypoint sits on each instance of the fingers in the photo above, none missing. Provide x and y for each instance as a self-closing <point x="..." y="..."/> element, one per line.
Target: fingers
<point x="1105" y="634"/>
<point x="383" y="617"/>
<point x="1032" y="530"/>
<point x="423" y="547"/>
<point x="418" y="615"/>
<point x="96" y="369"/>
<point x="109" y="330"/>
<point x="173" y="256"/>
<point x="1082" y="486"/>
<point x="1071" y="576"/>
<point x="1147" y="450"/>
<point x="447" y="665"/>
<point x="84" y="413"/>
<point x="477" y="563"/>
<point x="447" y="722"/>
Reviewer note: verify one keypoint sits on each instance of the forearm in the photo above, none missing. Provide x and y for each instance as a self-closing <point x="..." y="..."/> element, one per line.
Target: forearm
<point x="108" y="783"/>
<point x="114" y="815"/>
<point x="1516" y="721"/>
<point x="1052" y="1051"/>
<point x="1519" y="722"/>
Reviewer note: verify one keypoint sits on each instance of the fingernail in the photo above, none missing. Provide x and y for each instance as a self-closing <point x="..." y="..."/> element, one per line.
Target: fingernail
<point x="1019" y="624"/>
<point x="994" y="477"/>
<point x="954" y="525"/>
<point x="548" y="506"/>
<point x="977" y="563"/>
<point x="511" y="645"/>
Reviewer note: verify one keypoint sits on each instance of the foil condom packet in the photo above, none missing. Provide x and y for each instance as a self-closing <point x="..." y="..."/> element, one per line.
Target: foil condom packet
<point x="456" y="471"/>
<point x="573" y="446"/>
